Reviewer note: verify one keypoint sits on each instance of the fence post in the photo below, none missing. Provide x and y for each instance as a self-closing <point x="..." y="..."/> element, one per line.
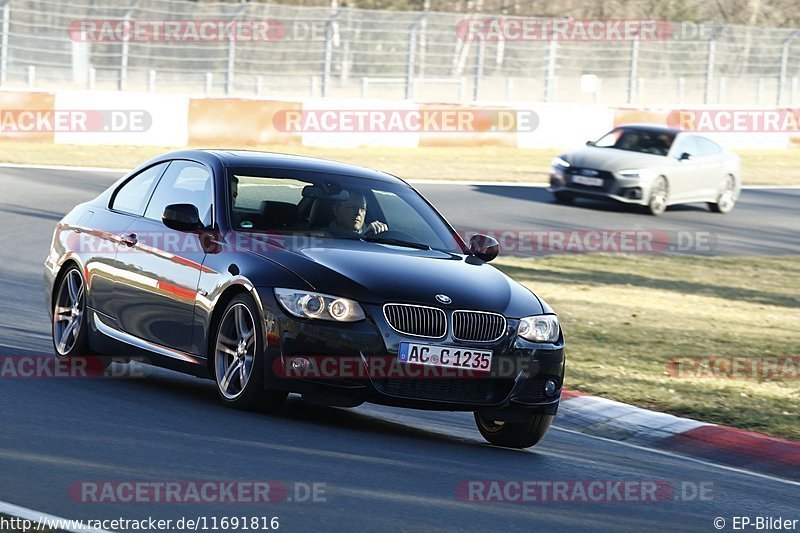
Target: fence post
<point x="550" y="73"/>
<point x="4" y="43"/>
<point x="151" y="81"/>
<point x="209" y="83"/>
<point x="411" y="57"/>
<point x="259" y="84"/>
<point x="31" y="76"/>
<point x="633" y="73"/>
<point x="784" y="65"/>
<point x="123" y="59"/>
<point x="330" y="31"/>
<point x="509" y="87"/>
<point x="92" y="79"/>
<point x="231" y="65"/>
<point x="710" y="59"/>
<point x="476" y="85"/>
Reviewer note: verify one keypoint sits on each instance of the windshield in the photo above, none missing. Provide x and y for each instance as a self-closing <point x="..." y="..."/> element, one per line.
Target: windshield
<point x="637" y="140"/>
<point x="335" y="207"/>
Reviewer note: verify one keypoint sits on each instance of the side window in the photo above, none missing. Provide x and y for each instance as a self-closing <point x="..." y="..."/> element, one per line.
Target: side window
<point x="133" y="196"/>
<point x="184" y="182"/>
<point x="707" y="146"/>
<point x="688" y="145"/>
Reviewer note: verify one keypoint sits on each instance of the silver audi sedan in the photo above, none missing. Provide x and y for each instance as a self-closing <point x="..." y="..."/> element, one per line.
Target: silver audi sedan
<point x="649" y="165"/>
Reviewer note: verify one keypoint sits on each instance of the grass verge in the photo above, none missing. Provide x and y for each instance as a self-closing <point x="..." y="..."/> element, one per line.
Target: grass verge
<point x="625" y="317"/>
<point x="483" y="163"/>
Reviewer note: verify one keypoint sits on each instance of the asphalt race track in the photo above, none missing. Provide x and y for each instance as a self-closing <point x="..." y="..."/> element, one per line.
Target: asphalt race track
<point x="383" y="469"/>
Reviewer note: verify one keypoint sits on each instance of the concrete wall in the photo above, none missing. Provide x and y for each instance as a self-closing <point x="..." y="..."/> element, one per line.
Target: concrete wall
<point x="136" y="118"/>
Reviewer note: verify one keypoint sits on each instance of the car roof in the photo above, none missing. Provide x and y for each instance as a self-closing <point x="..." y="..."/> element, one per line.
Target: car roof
<point x="257" y="159"/>
<point x="653" y="128"/>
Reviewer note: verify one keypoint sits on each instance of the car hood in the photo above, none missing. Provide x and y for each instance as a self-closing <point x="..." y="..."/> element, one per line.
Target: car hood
<point x="612" y="159"/>
<point x="377" y="273"/>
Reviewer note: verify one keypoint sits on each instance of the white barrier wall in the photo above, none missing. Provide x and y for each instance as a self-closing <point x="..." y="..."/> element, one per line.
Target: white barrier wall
<point x="147" y="119"/>
<point x="564" y="125"/>
<point x="125" y="118"/>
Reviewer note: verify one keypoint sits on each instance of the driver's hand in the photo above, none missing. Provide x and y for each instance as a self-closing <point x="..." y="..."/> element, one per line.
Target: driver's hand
<point x="376" y="227"/>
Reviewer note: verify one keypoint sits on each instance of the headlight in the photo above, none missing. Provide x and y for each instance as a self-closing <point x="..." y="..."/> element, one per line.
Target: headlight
<point x="540" y="328"/>
<point x="304" y="304"/>
<point x="644" y="173"/>
<point x="560" y="163"/>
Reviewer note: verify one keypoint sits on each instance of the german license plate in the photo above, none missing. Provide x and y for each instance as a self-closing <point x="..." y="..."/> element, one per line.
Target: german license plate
<point x="585" y="180"/>
<point x="445" y="356"/>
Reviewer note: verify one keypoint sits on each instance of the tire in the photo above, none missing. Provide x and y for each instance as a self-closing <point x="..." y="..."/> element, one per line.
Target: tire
<point x="725" y="198"/>
<point x="659" y="196"/>
<point x="239" y="358"/>
<point x="70" y="332"/>
<point x="514" y="434"/>
<point x="563" y="197"/>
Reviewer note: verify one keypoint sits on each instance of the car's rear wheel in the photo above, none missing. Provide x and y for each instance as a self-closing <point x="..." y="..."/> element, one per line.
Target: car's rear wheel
<point x="239" y="358"/>
<point x="659" y="196"/>
<point x="563" y="197"/>
<point x="514" y="434"/>
<point x="726" y="198"/>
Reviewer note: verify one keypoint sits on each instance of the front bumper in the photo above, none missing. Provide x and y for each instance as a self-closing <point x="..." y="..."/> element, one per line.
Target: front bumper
<point x="626" y="190"/>
<point x="362" y="366"/>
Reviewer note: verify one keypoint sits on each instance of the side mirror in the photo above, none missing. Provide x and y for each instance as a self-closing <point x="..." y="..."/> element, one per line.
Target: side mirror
<point x="685" y="156"/>
<point x="589" y="143"/>
<point x="182" y="217"/>
<point x="484" y="247"/>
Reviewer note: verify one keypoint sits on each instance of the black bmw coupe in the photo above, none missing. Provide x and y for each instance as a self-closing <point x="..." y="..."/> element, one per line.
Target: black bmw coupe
<point x="275" y="274"/>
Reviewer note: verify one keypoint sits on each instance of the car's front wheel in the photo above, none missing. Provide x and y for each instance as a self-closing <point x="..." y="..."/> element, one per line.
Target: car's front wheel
<point x="659" y="195"/>
<point x="726" y="198"/>
<point x="514" y="434"/>
<point x="239" y="358"/>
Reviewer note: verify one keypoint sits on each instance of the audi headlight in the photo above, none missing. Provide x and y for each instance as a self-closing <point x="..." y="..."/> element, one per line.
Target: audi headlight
<point x="540" y="328"/>
<point x="643" y="173"/>
<point x="305" y="304"/>
<point x="560" y="163"/>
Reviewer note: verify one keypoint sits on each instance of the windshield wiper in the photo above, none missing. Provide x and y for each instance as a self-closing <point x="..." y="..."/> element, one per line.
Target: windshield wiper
<point x="396" y="242"/>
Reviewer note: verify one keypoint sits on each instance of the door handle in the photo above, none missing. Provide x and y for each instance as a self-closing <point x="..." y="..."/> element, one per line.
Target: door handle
<point x="129" y="240"/>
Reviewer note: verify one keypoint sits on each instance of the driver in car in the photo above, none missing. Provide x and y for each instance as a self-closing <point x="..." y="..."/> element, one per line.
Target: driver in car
<point x="349" y="216"/>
